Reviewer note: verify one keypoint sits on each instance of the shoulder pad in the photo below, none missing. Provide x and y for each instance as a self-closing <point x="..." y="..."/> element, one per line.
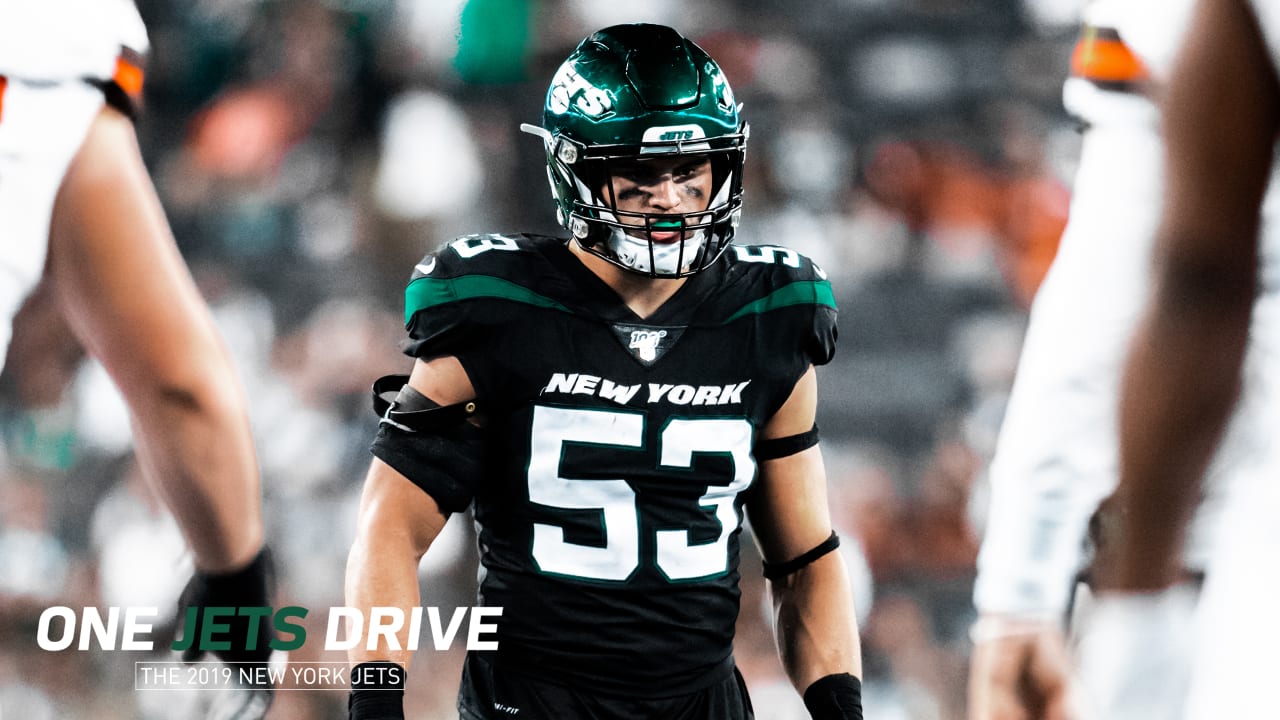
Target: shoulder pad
<point x="775" y="261"/>
<point x="777" y="277"/>
<point x="773" y="278"/>
<point x="487" y="254"/>
<point x="437" y="312"/>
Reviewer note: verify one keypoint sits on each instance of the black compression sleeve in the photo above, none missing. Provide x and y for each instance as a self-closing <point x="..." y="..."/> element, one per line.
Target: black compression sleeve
<point x="447" y="464"/>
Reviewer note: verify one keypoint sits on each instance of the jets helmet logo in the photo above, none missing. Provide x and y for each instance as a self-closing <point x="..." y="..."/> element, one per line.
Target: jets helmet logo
<point x="645" y="343"/>
<point x="568" y="88"/>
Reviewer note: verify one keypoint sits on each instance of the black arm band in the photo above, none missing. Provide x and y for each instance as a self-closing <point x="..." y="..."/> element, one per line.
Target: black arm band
<point x="446" y="464"/>
<point x="834" y="697"/>
<point x="377" y="691"/>
<point x="782" y="447"/>
<point x="775" y="571"/>
<point x="400" y="405"/>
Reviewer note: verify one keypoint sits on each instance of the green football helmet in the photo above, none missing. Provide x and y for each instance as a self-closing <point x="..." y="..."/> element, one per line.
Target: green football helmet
<point x="631" y="93"/>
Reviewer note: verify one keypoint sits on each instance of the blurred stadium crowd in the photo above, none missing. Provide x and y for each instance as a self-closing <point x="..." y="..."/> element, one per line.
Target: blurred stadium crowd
<point x="310" y="151"/>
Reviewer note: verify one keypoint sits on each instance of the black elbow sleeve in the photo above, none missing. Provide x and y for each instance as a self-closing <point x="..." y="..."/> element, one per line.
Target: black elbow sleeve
<point x="444" y="462"/>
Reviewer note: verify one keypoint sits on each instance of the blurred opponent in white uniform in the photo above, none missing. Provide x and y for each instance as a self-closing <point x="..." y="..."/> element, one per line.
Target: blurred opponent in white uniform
<point x="1056" y="459"/>
<point x="78" y="210"/>
<point x="1235" y="670"/>
<point x="55" y="58"/>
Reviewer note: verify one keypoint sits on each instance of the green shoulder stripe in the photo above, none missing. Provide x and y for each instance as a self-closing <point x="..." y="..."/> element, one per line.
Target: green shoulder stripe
<point x="426" y="292"/>
<point x="811" y="292"/>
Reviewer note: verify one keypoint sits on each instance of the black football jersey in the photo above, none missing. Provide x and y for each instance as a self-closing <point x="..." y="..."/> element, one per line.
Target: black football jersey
<point x="618" y="449"/>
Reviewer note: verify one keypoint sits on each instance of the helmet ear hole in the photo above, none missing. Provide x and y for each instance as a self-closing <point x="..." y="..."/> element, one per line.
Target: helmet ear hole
<point x="722" y="167"/>
<point x="595" y="176"/>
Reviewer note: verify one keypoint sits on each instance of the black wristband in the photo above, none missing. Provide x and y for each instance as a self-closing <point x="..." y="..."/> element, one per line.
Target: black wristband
<point x="835" y="697"/>
<point x="377" y="691"/>
<point x="252" y="583"/>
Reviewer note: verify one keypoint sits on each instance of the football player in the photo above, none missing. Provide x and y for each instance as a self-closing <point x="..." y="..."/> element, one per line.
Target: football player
<point x="78" y="209"/>
<point x="611" y="405"/>
<point x="1057" y="454"/>
<point x="1215" y="269"/>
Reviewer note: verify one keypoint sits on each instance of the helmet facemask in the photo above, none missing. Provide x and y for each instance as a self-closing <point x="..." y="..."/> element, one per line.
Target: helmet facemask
<point x="587" y="204"/>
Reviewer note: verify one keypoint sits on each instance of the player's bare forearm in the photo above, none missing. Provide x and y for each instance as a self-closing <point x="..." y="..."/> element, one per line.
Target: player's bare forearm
<point x="397" y="524"/>
<point x="1167" y="439"/>
<point x="1184" y="367"/>
<point x="198" y="451"/>
<point x="126" y="292"/>
<point x="380" y="576"/>
<point x="816" y="628"/>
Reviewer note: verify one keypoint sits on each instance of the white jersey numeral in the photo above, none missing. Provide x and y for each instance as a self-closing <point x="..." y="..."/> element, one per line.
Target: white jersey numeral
<point x="768" y="254"/>
<point x="469" y="247"/>
<point x="552" y="428"/>
<point x="680" y="441"/>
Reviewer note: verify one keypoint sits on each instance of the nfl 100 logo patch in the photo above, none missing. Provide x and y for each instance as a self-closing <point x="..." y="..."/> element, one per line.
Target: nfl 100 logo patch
<point x="647" y="343"/>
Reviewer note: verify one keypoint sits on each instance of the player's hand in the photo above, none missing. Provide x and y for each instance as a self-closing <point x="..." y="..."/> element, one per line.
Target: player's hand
<point x="251" y="586"/>
<point x="1020" y="671"/>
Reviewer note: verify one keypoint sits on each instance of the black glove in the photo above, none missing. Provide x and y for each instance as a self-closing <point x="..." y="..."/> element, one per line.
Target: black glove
<point x="377" y="691"/>
<point x="251" y="586"/>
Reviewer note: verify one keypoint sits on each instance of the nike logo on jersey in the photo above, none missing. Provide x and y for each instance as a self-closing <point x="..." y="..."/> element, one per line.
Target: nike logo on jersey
<point x="583" y="384"/>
